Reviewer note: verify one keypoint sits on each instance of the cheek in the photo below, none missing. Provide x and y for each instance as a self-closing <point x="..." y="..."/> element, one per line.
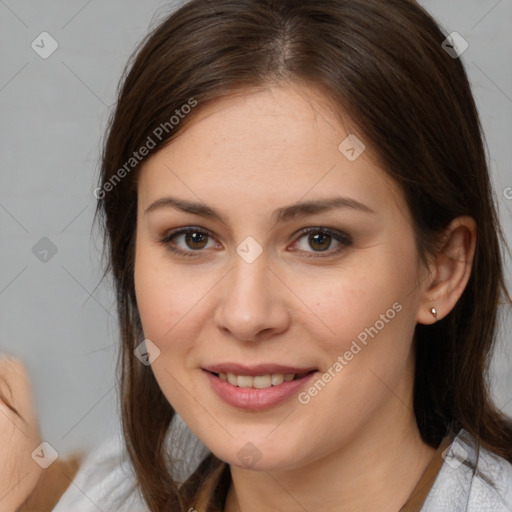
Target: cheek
<point x="355" y="303"/>
<point x="165" y="301"/>
<point x="370" y="312"/>
<point x="166" y="297"/>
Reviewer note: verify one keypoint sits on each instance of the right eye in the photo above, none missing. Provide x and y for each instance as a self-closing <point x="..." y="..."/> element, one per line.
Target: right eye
<point x="194" y="238"/>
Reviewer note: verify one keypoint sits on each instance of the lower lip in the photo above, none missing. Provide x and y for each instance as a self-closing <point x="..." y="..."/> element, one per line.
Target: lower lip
<point x="256" y="399"/>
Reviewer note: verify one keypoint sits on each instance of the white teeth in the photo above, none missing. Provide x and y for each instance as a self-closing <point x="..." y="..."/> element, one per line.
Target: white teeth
<point x="258" y="381"/>
<point x="261" y="381"/>
<point x="277" y="378"/>
<point x="244" y="381"/>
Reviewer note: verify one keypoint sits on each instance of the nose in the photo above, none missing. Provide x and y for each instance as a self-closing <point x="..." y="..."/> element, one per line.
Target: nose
<point x="252" y="302"/>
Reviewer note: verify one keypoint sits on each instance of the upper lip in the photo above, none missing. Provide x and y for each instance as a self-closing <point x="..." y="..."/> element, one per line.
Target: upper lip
<point x="259" y="369"/>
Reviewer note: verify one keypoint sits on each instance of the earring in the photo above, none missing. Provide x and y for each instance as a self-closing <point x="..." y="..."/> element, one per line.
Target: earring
<point x="434" y="312"/>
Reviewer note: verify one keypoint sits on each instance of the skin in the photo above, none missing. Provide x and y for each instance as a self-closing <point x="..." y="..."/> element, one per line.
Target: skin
<point x="355" y="446"/>
<point x="19" y="435"/>
<point x="25" y="486"/>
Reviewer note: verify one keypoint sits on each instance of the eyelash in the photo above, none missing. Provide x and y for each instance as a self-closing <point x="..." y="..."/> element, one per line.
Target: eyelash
<point x="337" y="235"/>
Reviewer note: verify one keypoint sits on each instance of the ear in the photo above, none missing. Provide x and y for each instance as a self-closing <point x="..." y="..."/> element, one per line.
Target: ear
<point x="449" y="271"/>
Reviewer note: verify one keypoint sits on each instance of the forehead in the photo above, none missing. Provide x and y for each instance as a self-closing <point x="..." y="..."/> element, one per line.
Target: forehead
<point x="267" y="149"/>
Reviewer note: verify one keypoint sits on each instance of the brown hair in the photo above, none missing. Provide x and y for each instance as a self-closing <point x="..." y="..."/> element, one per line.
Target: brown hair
<point x="382" y="62"/>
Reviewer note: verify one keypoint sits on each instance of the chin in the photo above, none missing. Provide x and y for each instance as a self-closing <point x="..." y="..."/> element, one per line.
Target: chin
<point x="257" y="453"/>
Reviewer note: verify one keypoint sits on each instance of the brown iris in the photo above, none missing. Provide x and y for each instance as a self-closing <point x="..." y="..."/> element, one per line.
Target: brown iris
<point x="194" y="237"/>
<point x="322" y="239"/>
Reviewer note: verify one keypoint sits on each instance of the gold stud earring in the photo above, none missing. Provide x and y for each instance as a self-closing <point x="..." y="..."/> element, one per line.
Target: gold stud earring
<point x="434" y="312"/>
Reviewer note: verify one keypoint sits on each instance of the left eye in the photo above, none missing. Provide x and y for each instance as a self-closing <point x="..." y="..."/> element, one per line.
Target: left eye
<point x="320" y="239"/>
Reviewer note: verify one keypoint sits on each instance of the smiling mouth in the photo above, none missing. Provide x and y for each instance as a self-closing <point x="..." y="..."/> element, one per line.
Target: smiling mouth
<point x="259" y="381"/>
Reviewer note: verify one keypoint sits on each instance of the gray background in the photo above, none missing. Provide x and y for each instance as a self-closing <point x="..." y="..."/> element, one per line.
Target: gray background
<point x="53" y="115"/>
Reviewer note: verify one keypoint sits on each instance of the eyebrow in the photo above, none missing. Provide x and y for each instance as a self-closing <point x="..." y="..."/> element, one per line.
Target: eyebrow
<point x="300" y="209"/>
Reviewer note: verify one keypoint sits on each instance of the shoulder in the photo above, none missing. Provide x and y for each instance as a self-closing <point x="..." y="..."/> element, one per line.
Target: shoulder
<point x="105" y="482"/>
<point x="471" y="480"/>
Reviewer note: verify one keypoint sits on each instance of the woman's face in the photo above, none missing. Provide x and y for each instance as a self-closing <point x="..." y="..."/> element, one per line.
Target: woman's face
<point x="255" y="297"/>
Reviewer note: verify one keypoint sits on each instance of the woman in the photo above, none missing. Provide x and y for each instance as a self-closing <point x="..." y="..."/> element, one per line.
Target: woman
<point x="300" y="225"/>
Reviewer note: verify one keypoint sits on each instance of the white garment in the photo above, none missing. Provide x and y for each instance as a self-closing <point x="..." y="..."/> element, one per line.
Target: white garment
<point x="461" y="488"/>
<point x="104" y="483"/>
<point x="105" y="480"/>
